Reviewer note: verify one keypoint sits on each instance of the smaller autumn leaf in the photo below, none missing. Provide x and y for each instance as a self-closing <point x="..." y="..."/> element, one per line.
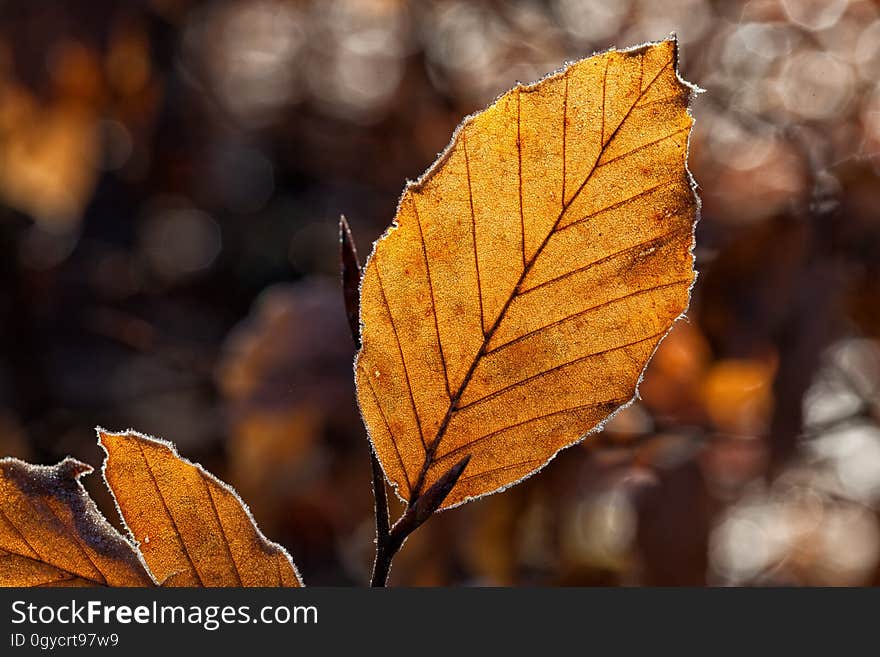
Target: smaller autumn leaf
<point x="52" y="534"/>
<point x="192" y="529"/>
<point x="529" y="275"/>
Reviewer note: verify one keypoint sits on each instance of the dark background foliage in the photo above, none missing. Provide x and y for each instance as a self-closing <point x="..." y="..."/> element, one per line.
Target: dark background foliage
<point x="171" y="174"/>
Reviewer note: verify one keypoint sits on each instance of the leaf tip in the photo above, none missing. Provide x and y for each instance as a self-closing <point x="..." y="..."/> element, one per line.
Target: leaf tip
<point x="458" y="469"/>
<point x="111" y="440"/>
<point x="350" y="270"/>
<point x="103" y="435"/>
<point x="73" y="468"/>
<point x="344" y="229"/>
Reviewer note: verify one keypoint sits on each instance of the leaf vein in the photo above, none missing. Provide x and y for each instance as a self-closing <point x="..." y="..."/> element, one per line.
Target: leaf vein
<point x="564" y="131"/>
<point x="580" y="313"/>
<point x="543" y="416"/>
<point x="555" y="368"/>
<point x="433" y="300"/>
<point x="390" y="433"/>
<point x="65" y="574"/>
<point x="654" y="241"/>
<point x="522" y="219"/>
<point x="467" y="164"/>
<point x="169" y="514"/>
<point x="619" y="204"/>
<point x="22" y="536"/>
<point x="643" y="147"/>
<point x="500" y="468"/>
<point x="412" y="399"/>
<point x="77" y="542"/>
<point x="222" y="528"/>
<point x="659" y="101"/>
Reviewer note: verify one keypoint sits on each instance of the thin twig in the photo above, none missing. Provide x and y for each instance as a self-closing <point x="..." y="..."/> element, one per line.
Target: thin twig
<point x="351" y="276"/>
<point x="389" y="540"/>
<point x="380" y="496"/>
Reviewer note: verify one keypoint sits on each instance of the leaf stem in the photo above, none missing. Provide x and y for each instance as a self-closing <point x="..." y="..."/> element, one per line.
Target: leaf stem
<point x="380" y="497"/>
<point x="419" y="510"/>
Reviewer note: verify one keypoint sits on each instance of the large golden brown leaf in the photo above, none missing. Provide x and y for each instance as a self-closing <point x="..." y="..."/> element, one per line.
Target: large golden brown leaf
<point x="530" y="274"/>
<point x="51" y="533"/>
<point x="192" y="529"/>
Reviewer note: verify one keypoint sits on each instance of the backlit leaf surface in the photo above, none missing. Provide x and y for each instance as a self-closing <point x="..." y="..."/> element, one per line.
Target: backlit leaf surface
<point x="51" y="533"/>
<point x="530" y="274"/>
<point x="192" y="529"/>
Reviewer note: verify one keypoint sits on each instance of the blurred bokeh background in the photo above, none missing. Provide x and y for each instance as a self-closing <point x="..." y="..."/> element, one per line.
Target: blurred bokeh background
<point x="171" y="174"/>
